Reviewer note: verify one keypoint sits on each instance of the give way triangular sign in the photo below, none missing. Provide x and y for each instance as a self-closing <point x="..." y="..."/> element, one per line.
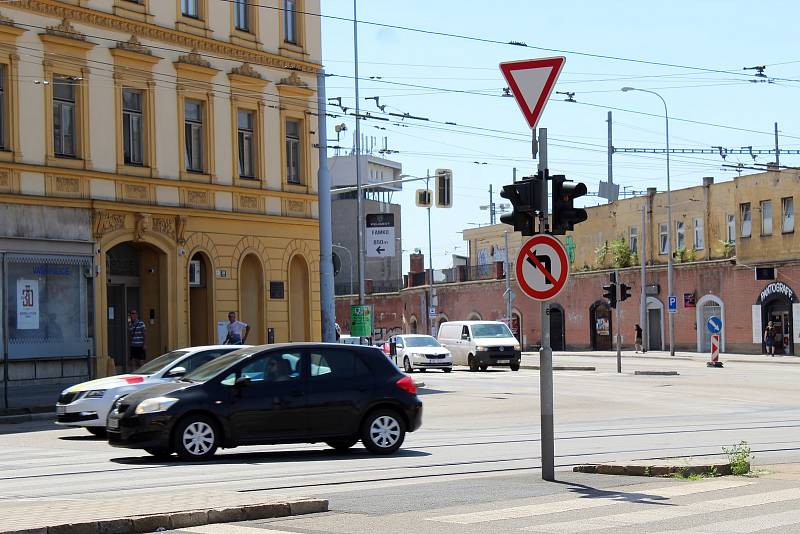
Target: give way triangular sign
<point x="532" y="81"/>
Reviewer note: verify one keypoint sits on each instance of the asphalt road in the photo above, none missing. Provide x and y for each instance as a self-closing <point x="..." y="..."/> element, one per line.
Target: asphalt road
<point x="479" y="430"/>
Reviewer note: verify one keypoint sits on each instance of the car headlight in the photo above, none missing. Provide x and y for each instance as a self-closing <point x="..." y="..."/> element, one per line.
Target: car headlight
<point x="516" y="347"/>
<point x="481" y="349"/>
<point x="95" y="394"/>
<point x="156" y="404"/>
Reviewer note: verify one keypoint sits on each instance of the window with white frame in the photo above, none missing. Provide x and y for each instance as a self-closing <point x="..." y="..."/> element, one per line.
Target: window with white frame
<point x="747" y="219"/>
<point x="787" y="211"/>
<point x="132" y="127"/>
<point x="193" y="135"/>
<point x="64" y="116"/>
<point x="633" y="238"/>
<point x="241" y="15"/>
<point x="680" y="235"/>
<point x="730" y="221"/>
<point x="766" y="217"/>
<point x="190" y="8"/>
<point x="247" y="143"/>
<point x="293" y="152"/>
<point x="699" y="239"/>
<point x="290" y="21"/>
<point x="663" y="239"/>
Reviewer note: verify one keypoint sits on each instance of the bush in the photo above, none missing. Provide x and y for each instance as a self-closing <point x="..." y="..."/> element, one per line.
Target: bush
<point x="739" y="457"/>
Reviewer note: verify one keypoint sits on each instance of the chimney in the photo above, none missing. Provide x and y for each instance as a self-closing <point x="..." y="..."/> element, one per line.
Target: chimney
<point x="708" y="181"/>
<point x="417" y="263"/>
<point x="651" y="191"/>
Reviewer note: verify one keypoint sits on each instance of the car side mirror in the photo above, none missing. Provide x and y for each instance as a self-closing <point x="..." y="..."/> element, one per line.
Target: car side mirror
<point x="465" y="337"/>
<point x="176" y="372"/>
<point x="242" y="381"/>
<point x="393" y="348"/>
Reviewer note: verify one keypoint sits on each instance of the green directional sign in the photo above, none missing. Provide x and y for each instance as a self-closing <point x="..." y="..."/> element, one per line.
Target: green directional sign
<point x="361" y="321"/>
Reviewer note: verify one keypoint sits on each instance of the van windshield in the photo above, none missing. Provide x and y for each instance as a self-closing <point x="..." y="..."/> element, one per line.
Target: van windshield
<point x="424" y="341"/>
<point x="491" y="330"/>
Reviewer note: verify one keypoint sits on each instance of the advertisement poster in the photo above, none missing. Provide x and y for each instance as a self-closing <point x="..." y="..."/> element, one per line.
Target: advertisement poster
<point x="27" y="304"/>
<point x="603" y="327"/>
<point x="360" y="321"/>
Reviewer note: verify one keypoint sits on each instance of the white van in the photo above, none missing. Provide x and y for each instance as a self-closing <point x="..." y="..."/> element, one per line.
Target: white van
<point x="480" y="344"/>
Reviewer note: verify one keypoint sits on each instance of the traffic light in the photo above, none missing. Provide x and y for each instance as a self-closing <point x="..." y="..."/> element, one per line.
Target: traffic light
<point x="423" y="198"/>
<point x="624" y="292"/>
<point x="565" y="215"/>
<point x="444" y="188"/>
<point x="524" y="200"/>
<point x="610" y="294"/>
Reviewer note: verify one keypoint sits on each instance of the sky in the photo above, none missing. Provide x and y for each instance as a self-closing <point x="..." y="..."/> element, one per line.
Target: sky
<point x="692" y="53"/>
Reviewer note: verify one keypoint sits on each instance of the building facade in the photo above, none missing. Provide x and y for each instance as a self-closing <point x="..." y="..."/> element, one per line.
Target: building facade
<point x="722" y="233"/>
<point x="158" y="156"/>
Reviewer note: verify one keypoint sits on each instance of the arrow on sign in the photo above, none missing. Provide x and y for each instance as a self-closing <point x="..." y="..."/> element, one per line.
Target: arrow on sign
<point x="543" y="264"/>
<point x="380" y="250"/>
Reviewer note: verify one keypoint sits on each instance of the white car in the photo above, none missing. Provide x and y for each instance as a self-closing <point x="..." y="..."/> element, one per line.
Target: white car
<point x="418" y="351"/>
<point x="87" y="404"/>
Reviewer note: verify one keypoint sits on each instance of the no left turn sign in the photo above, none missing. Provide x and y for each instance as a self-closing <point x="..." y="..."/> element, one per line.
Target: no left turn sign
<point x="542" y="267"/>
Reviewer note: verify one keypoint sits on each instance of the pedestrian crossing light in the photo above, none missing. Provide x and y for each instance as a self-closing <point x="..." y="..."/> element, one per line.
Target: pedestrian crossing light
<point x="444" y="188"/>
<point x="565" y="215"/>
<point x="624" y="292"/>
<point x="522" y="196"/>
<point x="423" y="198"/>
<point x="610" y="294"/>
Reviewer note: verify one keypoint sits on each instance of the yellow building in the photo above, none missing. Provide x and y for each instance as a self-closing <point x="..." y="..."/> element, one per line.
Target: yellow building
<point x="156" y="155"/>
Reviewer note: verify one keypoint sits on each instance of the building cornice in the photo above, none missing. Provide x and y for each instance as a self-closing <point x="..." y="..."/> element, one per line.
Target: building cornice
<point x="146" y="30"/>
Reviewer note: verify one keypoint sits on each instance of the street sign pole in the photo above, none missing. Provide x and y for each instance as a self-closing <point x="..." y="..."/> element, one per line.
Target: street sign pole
<point x="546" y="353"/>
<point x="617" y="320"/>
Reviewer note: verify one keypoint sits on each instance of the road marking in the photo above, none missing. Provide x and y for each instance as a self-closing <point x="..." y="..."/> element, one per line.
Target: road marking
<point x="662" y="513"/>
<point x="746" y="526"/>
<point x="583" y="503"/>
<point x="222" y="528"/>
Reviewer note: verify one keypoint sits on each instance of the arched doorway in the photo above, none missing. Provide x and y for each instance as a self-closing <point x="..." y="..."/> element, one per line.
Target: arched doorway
<point x="516" y="325"/>
<point x="556" y="327"/>
<point x="474" y="316"/>
<point x="201" y="300"/>
<point x="709" y="306"/>
<point x="779" y="304"/>
<point x="251" y="298"/>
<point x="412" y="325"/>
<point x="600" y="326"/>
<point x="299" y="309"/>
<point x="655" y="324"/>
<point x="136" y="279"/>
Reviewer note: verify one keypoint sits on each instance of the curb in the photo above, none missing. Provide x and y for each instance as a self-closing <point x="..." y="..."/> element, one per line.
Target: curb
<point x="654" y="470"/>
<point x="656" y="373"/>
<point x="562" y="367"/>
<point x="24" y="415"/>
<point x="183" y="519"/>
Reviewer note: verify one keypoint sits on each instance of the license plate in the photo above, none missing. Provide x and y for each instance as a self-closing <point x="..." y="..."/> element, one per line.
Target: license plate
<point x="61" y="410"/>
<point x="503" y="361"/>
<point x="113" y="423"/>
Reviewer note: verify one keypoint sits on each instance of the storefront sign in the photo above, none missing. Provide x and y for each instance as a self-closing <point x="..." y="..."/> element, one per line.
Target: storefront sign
<point x="778" y="288"/>
<point x="27" y="304"/>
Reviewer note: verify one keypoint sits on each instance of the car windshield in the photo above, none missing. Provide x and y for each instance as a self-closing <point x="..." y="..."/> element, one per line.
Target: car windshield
<point x="217" y="365"/>
<point x="154" y="366"/>
<point x="491" y="330"/>
<point x="424" y="341"/>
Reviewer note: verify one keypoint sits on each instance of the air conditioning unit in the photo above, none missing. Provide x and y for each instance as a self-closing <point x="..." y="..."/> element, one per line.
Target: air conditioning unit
<point x="194" y="273"/>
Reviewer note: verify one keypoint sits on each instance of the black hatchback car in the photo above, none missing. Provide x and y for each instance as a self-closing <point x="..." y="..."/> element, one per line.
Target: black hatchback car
<point x="291" y="393"/>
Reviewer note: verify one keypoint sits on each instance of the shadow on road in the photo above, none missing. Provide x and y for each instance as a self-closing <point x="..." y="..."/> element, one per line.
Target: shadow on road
<point x="590" y="492"/>
<point x="87" y="437"/>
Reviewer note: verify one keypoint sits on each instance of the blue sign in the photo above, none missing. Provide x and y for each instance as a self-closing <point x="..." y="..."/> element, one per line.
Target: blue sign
<point x="714" y="324"/>
<point x="673" y="303"/>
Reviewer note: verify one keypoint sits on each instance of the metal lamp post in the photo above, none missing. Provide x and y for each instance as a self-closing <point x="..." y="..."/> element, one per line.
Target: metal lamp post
<point x="670" y="268"/>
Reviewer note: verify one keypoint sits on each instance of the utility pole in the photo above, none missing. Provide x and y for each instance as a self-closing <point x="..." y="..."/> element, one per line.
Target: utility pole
<point x="617" y="320"/>
<point x="777" y="150"/>
<point x="610" y="155"/>
<point x="359" y="201"/>
<point x="507" y="270"/>
<point x="491" y="206"/>
<point x="643" y="260"/>
<point x="327" y="297"/>
<point x="430" y="258"/>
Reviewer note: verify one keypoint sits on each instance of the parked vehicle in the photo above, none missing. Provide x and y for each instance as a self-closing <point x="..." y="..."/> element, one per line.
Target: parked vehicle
<point x="353" y="340"/>
<point x="481" y="344"/>
<point x="87" y="404"/>
<point x="419" y="351"/>
<point x="289" y="393"/>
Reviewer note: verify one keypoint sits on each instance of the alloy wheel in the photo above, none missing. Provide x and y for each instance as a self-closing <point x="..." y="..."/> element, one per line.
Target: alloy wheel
<point x="384" y="431"/>
<point x="198" y="438"/>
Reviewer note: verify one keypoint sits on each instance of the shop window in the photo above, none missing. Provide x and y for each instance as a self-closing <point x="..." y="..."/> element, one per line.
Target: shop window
<point x="766" y="217"/>
<point x="746" y="218"/>
<point x="787" y="217"/>
<point x="699" y="239"/>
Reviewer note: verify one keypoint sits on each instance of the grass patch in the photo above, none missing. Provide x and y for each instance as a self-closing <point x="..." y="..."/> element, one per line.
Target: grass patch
<point x="685" y="473"/>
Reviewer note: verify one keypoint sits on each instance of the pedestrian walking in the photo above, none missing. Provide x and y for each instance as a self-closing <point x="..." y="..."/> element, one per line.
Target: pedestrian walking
<point x="769" y="339"/>
<point x="235" y="330"/>
<point x="136" y="332"/>
<point x="638" y="343"/>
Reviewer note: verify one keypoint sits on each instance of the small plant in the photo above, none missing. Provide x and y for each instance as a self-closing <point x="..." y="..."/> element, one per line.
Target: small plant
<point x="600" y="254"/>
<point x="739" y="457"/>
<point x="712" y="472"/>
<point x="620" y="253"/>
<point x="647" y="471"/>
<point x="728" y="248"/>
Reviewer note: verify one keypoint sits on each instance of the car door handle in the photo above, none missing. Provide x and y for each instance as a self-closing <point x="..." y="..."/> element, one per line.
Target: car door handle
<point x="296" y="393"/>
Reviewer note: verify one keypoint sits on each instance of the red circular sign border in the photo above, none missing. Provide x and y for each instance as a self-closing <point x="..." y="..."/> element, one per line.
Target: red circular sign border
<point x="562" y="255"/>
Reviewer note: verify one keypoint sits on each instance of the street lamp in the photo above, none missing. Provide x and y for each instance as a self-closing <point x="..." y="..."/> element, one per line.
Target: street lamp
<point x="670" y="273"/>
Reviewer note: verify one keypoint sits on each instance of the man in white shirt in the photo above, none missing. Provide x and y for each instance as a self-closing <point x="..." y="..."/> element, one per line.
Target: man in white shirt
<point x="235" y="329"/>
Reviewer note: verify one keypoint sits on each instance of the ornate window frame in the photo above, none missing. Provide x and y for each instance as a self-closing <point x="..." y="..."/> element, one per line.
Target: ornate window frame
<point x="10" y="62"/>
<point x="247" y="87"/>
<point x="249" y="37"/>
<point x="296" y="49"/>
<point x="294" y="104"/>
<point x="194" y="82"/>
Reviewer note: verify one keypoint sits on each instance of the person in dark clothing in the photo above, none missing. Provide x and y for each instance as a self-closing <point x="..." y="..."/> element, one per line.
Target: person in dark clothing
<point x="638" y="343"/>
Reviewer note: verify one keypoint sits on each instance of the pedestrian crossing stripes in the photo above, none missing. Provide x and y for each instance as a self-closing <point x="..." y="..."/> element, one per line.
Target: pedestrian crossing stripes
<point x="584" y="503"/>
<point x="232" y="529"/>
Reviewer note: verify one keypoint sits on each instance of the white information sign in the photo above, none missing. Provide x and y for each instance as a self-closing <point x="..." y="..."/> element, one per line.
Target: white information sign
<point x="380" y="235"/>
<point x="27" y="304"/>
<point x="757" y="331"/>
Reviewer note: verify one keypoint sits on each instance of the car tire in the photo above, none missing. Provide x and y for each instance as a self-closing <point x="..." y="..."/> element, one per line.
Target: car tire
<point x="407" y="365"/>
<point x="196" y="437"/>
<point x="484" y="367"/>
<point x="341" y="445"/>
<point x="473" y="363"/>
<point x="158" y="454"/>
<point x="515" y="367"/>
<point x="97" y="431"/>
<point x="447" y="369"/>
<point x="383" y="431"/>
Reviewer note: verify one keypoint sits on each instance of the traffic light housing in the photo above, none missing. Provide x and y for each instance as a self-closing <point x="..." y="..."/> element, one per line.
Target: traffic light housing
<point x="525" y="198"/>
<point x="423" y="198"/>
<point x="444" y="188"/>
<point x="610" y="294"/>
<point x="624" y="292"/>
<point x="565" y="214"/>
